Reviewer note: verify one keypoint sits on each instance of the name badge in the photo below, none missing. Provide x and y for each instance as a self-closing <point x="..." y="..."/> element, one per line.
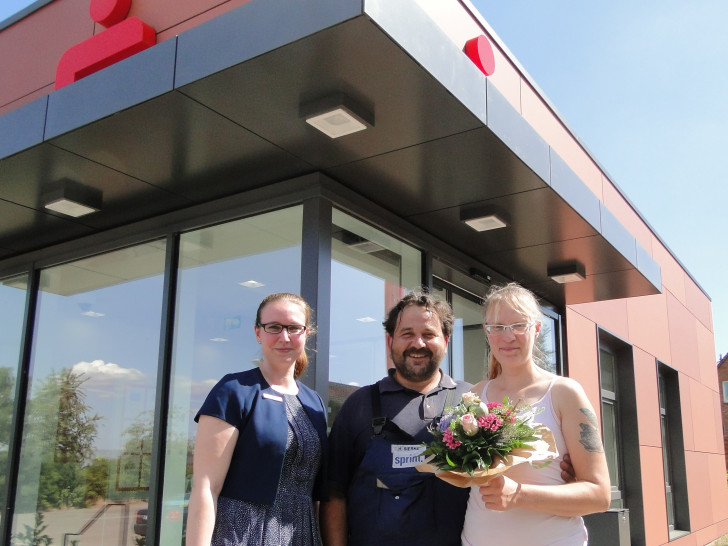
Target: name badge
<point x="272" y="397"/>
<point x="407" y="456"/>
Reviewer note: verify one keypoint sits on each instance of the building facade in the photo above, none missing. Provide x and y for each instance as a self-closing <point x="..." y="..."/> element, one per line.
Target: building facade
<point x="162" y="169"/>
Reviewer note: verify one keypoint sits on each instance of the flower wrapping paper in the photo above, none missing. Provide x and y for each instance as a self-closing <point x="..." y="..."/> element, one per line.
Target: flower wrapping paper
<point x="538" y="453"/>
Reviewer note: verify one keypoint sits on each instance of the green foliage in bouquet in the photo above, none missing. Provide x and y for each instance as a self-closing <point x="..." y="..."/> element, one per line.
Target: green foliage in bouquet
<point x="472" y="435"/>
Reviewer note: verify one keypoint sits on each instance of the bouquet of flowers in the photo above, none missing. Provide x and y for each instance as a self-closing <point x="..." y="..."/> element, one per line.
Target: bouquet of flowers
<point x="475" y="441"/>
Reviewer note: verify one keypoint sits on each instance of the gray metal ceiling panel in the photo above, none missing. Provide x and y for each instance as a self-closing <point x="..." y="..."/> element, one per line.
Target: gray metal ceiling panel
<point x="253" y="29"/>
<point x="132" y="81"/>
<point x="432" y="49"/>
<point x="23" y="128"/>
<point x="516" y="132"/>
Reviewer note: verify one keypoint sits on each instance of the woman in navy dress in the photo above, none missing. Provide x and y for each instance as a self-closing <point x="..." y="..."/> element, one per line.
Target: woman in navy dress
<point x="260" y="443"/>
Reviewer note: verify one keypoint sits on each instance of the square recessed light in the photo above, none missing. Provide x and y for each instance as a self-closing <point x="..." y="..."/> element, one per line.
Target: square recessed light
<point x="336" y="123"/>
<point x="71" y="198"/>
<point x="573" y="272"/>
<point x="70" y="208"/>
<point x="336" y="115"/>
<point x="486" y="223"/>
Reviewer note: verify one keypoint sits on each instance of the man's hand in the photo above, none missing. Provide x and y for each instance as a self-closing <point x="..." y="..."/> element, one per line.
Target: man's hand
<point x="567" y="470"/>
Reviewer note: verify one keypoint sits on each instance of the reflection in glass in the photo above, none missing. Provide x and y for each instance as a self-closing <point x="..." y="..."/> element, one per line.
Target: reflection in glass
<point x="92" y="375"/>
<point x="12" y="303"/>
<point x="370" y="272"/>
<point x="545" y="345"/>
<point x="224" y="273"/>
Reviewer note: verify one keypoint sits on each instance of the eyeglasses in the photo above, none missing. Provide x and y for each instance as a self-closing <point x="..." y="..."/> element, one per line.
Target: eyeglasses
<point x="519" y="328"/>
<point x="275" y="328"/>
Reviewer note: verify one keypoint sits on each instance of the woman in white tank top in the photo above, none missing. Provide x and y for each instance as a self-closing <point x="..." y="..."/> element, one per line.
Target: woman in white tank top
<point x="529" y="505"/>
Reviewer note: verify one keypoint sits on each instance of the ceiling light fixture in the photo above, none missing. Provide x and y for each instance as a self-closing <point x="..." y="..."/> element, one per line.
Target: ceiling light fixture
<point x="484" y="218"/>
<point x="251" y="284"/>
<point x="566" y="273"/>
<point x="336" y="115"/>
<point x="71" y="198"/>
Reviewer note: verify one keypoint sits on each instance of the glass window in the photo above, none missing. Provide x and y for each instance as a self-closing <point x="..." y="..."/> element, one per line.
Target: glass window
<point x="546" y="343"/>
<point x="86" y="445"/>
<point x="725" y="392"/>
<point x="12" y="302"/>
<point x="673" y="451"/>
<point x="610" y="423"/>
<point x="370" y="272"/>
<point x="467" y="353"/>
<point x="224" y="273"/>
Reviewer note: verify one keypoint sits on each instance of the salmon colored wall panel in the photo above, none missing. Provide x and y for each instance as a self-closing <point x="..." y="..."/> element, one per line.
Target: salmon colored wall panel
<point x="582" y="351"/>
<point x="706" y="535"/>
<point x="610" y="315"/>
<point x="707" y="358"/>
<point x="705" y="422"/>
<point x="33" y="46"/>
<point x="542" y="119"/>
<point x="648" y="326"/>
<point x="683" y="337"/>
<point x="42" y="92"/>
<point x="648" y="403"/>
<point x="624" y="212"/>
<point x="698" y="303"/>
<point x="653" y="491"/>
<point x="718" y="488"/>
<point x="673" y="276"/>
<point x="686" y="411"/>
<point x="698" y="474"/>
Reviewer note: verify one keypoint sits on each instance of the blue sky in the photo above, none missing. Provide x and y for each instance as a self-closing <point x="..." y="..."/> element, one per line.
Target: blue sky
<point x="645" y="87"/>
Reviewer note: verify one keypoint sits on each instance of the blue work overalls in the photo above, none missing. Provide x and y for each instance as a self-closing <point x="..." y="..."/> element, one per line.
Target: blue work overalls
<point x="387" y="504"/>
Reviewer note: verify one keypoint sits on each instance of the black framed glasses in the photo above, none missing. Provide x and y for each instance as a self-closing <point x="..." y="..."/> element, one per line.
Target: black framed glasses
<point x="275" y="328"/>
<point x="518" y="328"/>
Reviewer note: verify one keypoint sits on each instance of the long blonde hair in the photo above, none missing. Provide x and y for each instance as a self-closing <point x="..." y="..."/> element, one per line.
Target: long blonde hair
<point x="301" y="361"/>
<point x="521" y="300"/>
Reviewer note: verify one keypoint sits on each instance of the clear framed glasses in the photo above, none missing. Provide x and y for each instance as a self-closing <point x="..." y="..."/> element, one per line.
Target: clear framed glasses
<point x="275" y="328"/>
<point x="519" y="328"/>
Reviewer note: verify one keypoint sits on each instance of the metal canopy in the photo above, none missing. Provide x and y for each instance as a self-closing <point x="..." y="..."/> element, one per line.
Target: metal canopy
<point x="215" y="112"/>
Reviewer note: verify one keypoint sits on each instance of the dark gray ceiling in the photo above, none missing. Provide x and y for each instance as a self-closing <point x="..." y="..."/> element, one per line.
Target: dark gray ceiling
<point x="215" y="112"/>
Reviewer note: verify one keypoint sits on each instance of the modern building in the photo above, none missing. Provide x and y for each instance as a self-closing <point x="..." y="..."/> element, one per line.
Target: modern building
<point x="165" y="165"/>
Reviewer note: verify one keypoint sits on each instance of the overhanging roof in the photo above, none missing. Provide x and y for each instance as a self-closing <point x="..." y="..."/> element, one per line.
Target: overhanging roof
<point x="215" y="112"/>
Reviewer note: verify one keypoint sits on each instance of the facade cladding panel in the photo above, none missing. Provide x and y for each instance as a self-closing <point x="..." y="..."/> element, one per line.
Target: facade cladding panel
<point x="201" y="103"/>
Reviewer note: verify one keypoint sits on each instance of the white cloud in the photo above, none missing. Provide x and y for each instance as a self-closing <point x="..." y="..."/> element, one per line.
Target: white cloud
<point x="100" y="374"/>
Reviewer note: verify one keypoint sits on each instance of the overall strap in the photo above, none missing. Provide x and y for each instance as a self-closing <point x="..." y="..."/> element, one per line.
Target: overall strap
<point x="378" y="420"/>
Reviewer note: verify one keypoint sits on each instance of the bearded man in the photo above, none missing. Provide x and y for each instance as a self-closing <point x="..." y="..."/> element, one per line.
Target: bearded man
<point x="377" y="496"/>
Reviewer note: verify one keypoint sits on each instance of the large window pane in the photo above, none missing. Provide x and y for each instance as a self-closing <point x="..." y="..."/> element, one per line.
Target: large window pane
<point x="225" y="271"/>
<point x="370" y="272"/>
<point x="86" y="442"/>
<point x="12" y="303"/>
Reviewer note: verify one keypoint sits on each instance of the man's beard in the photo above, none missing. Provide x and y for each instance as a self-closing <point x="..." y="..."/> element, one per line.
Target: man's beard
<point x="419" y="373"/>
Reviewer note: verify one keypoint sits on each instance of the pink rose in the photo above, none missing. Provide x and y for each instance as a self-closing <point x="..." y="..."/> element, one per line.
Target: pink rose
<point x="469" y="424"/>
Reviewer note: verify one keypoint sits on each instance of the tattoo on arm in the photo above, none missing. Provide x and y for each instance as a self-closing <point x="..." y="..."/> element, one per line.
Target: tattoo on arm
<point x="589" y="434"/>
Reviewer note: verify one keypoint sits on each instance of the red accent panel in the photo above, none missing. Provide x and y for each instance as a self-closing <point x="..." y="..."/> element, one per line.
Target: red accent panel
<point x="479" y="51"/>
<point x="104" y="49"/>
<point x="109" y="12"/>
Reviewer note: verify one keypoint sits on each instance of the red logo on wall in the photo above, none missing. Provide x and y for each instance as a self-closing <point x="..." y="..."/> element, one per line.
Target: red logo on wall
<point x="122" y="38"/>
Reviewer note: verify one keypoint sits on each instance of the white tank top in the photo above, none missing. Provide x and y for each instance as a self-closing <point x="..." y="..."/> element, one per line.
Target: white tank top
<point x="520" y="526"/>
